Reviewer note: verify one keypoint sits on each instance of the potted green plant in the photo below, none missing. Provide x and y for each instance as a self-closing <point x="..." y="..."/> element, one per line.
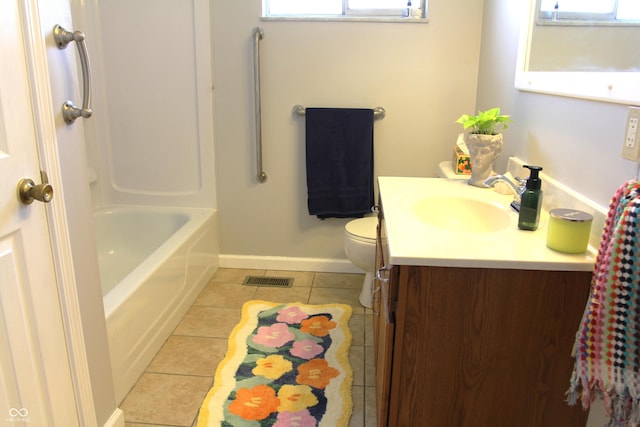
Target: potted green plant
<point x="486" y="122"/>
<point x="484" y="140"/>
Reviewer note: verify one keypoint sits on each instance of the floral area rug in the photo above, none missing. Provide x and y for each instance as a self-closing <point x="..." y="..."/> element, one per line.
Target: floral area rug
<point x="287" y="365"/>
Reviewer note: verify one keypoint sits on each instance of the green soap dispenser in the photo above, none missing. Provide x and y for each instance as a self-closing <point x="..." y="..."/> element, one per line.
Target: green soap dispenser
<point x="531" y="201"/>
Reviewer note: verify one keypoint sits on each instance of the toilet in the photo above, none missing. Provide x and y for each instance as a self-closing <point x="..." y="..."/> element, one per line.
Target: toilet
<point x="360" y="247"/>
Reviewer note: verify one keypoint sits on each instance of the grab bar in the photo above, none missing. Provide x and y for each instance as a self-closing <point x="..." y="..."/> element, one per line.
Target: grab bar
<point x="258" y="34"/>
<point x="378" y="113"/>
<point x="62" y="38"/>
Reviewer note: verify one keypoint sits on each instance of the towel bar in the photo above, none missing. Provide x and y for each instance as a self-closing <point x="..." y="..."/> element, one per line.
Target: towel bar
<point x="378" y="112"/>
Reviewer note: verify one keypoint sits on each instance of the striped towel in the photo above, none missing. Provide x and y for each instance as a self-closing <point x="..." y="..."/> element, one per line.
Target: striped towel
<point x="607" y="346"/>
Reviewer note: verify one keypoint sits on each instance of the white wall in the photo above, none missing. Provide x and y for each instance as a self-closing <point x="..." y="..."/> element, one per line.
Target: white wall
<point x="423" y="75"/>
<point x="578" y="142"/>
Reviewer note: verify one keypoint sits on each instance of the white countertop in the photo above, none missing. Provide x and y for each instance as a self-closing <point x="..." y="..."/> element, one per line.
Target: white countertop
<point x="413" y="241"/>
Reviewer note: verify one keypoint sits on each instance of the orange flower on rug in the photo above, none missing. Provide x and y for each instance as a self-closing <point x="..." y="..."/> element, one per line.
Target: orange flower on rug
<point x="287" y="365"/>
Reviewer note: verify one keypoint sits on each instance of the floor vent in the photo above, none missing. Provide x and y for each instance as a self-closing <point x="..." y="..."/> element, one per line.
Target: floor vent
<point x="277" y="282"/>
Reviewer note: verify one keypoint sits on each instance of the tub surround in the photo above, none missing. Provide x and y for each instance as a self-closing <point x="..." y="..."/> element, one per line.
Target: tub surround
<point x="126" y="236"/>
<point x="148" y="302"/>
<point x="157" y="275"/>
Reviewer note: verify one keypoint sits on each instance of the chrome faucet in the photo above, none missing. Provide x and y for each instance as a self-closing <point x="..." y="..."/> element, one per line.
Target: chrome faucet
<point x="516" y="189"/>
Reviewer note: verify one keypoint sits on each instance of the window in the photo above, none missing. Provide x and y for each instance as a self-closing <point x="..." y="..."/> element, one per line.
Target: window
<point x="341" y="9"/>
<point x="605" y="11"/>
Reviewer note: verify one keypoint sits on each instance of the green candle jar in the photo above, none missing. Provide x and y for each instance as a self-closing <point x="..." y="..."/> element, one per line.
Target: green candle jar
<point x="569" y="230"/>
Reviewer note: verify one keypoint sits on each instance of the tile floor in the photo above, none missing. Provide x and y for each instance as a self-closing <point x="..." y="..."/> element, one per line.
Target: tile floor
<point x="173" y="386"/>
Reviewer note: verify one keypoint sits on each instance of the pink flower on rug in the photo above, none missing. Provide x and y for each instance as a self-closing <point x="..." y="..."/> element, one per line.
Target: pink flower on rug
<point x="306" y="349"/>
<point x="273" y="336"/>
<point x="291" y="315"/>
<point x="295" y="419"/>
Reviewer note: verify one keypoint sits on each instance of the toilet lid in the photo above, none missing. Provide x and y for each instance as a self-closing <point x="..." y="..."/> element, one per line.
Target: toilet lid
<point x="364" y="228"/>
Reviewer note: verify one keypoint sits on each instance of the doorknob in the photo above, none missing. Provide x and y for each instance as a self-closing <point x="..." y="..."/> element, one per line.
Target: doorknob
<point x="28" y="191"/>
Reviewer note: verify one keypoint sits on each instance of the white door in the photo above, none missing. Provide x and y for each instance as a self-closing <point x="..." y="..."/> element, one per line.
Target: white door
<point x="36" y="386"/>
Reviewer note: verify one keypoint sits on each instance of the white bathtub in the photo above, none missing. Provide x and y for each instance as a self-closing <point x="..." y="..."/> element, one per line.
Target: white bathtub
<point x="153" y="263"/>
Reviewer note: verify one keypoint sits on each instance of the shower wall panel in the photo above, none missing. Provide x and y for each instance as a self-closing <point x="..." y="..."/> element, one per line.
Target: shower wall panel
<point x="153" y="102"/>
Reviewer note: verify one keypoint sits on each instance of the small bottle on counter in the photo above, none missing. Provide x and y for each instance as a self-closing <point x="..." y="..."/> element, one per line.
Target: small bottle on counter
<point x="531" y="201"/>
<point x="407" y="10"/>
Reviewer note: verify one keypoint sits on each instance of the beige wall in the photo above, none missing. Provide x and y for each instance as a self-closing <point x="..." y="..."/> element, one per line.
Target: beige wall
<point x="423" y="75"/>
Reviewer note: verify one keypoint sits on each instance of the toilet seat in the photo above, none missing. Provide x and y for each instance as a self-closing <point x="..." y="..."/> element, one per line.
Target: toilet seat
<point x="362" y="229"/>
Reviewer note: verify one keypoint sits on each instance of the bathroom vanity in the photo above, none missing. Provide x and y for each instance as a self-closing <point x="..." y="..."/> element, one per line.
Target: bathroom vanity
<point x="473" y="326"/>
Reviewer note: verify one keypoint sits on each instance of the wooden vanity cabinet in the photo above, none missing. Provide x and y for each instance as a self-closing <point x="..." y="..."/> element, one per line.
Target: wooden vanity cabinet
<point x="475" y="347"/>
<point x="383" y="324"/>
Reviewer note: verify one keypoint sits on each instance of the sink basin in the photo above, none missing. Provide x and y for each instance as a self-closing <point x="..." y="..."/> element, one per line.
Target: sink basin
<point x="463" y="214"/>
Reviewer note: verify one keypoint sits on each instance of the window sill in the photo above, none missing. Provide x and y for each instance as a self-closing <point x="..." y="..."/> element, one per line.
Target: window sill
<point x="584" y="23"/>
<point x="347" y="19"/>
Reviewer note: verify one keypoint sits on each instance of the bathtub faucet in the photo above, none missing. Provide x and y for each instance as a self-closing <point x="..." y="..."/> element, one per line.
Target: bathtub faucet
<point x="517" y="190"/>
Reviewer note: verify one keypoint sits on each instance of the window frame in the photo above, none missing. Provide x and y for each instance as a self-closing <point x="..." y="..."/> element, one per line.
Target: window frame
<point x="349" y="14"/>
<point x="582" y="18"/>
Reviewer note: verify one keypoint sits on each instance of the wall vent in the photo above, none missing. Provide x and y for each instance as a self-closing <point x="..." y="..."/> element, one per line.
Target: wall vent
<point x="278" y="282"/>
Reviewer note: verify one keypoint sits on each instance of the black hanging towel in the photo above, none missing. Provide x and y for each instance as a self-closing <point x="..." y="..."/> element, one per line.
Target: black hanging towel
<point x="339" y="157"/>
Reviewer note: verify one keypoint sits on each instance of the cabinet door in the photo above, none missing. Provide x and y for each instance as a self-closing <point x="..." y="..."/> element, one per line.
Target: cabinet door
<point x="498" y="347"/>
<point x="383" y="326"/>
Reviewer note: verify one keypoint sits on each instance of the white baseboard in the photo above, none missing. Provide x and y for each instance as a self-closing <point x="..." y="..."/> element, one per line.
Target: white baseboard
<point x="325" y="265"/>
<point x="116" y="419"/>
